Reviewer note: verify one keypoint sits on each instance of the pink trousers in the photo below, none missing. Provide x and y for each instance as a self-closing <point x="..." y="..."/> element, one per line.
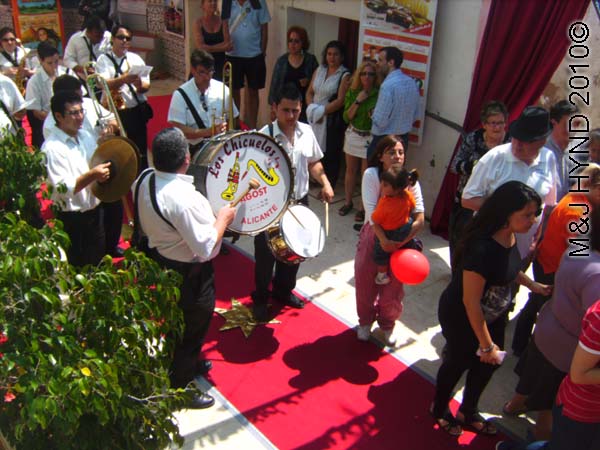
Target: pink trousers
<point x="381" y="303"/>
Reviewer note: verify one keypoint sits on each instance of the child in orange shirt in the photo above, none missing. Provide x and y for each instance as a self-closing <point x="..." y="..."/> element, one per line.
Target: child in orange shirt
<point x="392" y="219"/>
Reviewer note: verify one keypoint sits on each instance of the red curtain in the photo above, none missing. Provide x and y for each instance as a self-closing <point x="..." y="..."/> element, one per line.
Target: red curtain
<point x="348" y="34"/>
<point x="523" y="44"/>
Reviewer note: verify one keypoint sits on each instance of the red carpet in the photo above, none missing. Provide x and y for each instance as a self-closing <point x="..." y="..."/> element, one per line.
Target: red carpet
<point x="160" y="106"/>
<point x="307" y="383"/>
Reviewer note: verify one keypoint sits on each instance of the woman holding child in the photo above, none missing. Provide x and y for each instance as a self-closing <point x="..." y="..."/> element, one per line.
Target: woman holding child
<point x="381" y="302"/>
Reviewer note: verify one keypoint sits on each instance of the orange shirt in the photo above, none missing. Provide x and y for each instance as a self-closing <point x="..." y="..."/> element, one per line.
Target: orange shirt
<point x="557" y="234"/>
<point x="393" y="212"/>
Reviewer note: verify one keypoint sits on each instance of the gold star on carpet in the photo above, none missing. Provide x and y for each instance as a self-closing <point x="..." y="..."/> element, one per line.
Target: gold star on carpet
<point x="240" y="316"/>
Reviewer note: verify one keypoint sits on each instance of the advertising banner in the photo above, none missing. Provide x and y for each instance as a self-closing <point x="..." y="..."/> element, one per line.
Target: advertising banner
<point x="37" y="21"/>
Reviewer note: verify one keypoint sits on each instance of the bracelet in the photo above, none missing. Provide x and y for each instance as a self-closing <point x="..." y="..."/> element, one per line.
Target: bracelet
<point x="487" y="349"/>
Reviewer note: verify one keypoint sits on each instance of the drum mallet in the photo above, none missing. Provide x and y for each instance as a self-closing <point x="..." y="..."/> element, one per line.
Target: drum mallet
<point x="252" y="184"/>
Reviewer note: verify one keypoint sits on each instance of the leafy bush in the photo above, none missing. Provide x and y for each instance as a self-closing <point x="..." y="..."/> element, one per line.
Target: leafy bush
<point x="84" y="354"/>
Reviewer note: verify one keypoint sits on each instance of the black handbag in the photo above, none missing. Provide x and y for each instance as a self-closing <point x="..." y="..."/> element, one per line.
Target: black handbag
<point x="335" y="120"/>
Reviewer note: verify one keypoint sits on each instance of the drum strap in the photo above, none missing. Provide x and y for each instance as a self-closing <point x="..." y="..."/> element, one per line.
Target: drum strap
<point x="188" y="102"/>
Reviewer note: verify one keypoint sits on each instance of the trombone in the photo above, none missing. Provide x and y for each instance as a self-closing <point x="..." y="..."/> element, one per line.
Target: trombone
<point x="93" y="82"/>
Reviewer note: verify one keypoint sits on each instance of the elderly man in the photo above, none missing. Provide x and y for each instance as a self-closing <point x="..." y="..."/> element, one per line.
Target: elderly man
<point x="301" y="145"/>
<point x="197" y="105"/>
<point x="524" y="159"/>
<point x="398" y="102"/>
<point x="183" y="235"/>
<point x="68" y="151"/>
<point x="86" y="46"/>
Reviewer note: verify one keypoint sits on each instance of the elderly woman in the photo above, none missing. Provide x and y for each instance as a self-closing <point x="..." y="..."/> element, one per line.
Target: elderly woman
<point x="474" y="145"/>
<point x="474" y="306"/>
<point x="358" y="107"/>
<point x="548" y="355"/>
<point x="381" y="303"/>
<point x="296" y="66"/>
<point x="551" y="248"/>
<point x="210" y="36"/>
<point x="325" y="99"/>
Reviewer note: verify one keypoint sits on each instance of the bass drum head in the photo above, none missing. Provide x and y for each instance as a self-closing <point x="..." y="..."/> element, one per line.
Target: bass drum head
<point x="302" y="231"/>
<point x="222" y="170"/>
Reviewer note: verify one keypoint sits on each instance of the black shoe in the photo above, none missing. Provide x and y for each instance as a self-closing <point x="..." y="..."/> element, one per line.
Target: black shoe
<point x="291" y="300"/>
<point x="224" y="250"/>
<point x="203" y="367"/>
<point x="357" y="226"/>
<point x="261" y="312"/>
<point x="200" y="401"/>
<point x="117" y="253"/>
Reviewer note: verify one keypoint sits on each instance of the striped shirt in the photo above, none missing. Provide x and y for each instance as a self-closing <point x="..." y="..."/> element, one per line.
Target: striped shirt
<point x="581" y="402"/>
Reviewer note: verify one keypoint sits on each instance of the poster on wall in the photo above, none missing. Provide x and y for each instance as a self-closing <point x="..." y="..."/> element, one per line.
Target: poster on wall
<point x="408" y="25"/>
<point x="38" y="21"/>
<point x="174" y="21"/>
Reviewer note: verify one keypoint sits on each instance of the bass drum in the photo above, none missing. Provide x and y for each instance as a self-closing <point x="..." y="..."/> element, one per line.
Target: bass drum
<point x="222" y="170"/>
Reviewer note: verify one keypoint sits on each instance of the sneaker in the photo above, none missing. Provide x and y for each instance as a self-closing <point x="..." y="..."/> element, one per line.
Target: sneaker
<point x="382" y="278"/>
<point x="389" y="338"/>
<point x="363" y="332"/>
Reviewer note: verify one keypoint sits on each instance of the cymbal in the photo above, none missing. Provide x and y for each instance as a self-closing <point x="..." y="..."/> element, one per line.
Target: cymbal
<point x="122" y="154"/>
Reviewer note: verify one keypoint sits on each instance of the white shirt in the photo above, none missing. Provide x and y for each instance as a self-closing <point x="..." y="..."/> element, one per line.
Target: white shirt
<point x="499" y="165"/>
<point x="90" y="119"/>
<point x="371" y="190"/>
<point x="180" y="113"/>
<point x="77" y="52"/>
<point x="20" y="52"/>
<point x="106" y="68"/>
<point x="67" y="158"/>
<point x="195" y="238"/>
<point x="39" y="89"/>
<point x="303" y="151"/>
<point x="12" y="99"/>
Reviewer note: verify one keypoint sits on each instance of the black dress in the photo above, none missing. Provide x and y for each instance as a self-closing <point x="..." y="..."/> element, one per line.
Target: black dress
<point x="214" y="39"/>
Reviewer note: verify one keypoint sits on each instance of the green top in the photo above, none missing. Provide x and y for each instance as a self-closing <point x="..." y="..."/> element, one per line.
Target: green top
<point x="362" y="119"/>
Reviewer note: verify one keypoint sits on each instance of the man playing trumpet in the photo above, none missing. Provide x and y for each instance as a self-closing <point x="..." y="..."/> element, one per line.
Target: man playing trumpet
<point x="197" y="106"/>
<point x="128" y="88"/>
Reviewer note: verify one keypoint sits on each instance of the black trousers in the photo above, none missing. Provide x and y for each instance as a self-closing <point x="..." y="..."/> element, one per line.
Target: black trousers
<point x="197" y="302"/>
<point x="113" y="221"/>
<point x="333" y="154"/>
<point x="528" y="315"/>
<point x="86" y="231"/>
<point x="134" y="123"/>
<point x="284" y="280"/>
<point x="461" y="346"/>
<point x="37" y="126"/>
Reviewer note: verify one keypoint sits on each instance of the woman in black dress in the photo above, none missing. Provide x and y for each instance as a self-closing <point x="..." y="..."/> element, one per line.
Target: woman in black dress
<point x="474" y="307"/>
<point x="296" y="66"/>
<point x="210" y="36"/>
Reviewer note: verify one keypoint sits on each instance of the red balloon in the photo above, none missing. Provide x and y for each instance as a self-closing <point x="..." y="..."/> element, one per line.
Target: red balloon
<point x="409" y="266"/>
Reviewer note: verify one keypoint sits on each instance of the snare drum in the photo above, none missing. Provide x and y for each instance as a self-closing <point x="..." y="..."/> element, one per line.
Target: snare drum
<point x="223" y="167"/>
<point x="297" y="237"/>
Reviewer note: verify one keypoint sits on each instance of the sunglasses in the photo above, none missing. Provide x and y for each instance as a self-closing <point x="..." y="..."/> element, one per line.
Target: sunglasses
<point x="123" y="38"/>
<point x="9" y="39"/>
<point x="367" y="74"/>
<point x="75" y="112"/>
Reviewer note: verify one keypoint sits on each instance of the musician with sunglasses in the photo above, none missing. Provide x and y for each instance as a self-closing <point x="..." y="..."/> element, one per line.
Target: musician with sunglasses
<point x="128" y="88"/>
<point x="197" y="105"/>
<point x="11" y="55"/>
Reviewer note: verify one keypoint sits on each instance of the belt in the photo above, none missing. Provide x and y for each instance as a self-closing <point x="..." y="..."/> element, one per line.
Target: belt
<point x="361" y="133"/>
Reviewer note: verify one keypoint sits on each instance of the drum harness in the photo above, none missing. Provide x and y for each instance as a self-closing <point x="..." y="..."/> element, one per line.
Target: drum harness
<point x="195" y="147"/>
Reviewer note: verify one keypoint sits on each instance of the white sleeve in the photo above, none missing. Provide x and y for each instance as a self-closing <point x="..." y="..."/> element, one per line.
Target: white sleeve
<point x="177" y="109"/>
<point x="418" y="195"/>
<point x="479" y="181"/>
<point x="370" y="191"/>
<point x="70" y="57"/>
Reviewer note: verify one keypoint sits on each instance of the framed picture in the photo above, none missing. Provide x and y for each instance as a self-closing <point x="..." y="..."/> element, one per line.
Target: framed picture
<point x="38" y="21"/>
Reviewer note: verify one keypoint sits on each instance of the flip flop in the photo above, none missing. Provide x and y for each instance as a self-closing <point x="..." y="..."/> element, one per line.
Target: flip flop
<point x="469" y="421"/>
<point x="447" y="423"/>
<point x="344" y="210"/>
<point x="516" y="413"/>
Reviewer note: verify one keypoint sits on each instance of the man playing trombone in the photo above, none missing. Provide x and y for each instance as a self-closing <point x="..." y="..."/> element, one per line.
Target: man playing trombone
<point x="127" y="88"/>
<point x="200" y="107"/>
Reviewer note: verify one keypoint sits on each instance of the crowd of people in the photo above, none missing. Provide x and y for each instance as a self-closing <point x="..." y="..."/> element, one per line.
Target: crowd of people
<point x="515" y="205"/>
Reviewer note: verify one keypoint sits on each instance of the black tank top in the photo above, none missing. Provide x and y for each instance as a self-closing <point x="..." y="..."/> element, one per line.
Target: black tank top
<point x="213" y="39"/>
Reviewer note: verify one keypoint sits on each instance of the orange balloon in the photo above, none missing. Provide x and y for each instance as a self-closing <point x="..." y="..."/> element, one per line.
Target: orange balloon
<point x="409" y="266"/>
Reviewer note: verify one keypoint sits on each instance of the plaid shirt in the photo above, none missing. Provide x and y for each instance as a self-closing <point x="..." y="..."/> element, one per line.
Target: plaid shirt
<point x="397" y="105"/>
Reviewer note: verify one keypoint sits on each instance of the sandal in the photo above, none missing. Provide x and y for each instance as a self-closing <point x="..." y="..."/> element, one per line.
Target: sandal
<point x="477" y="423"/>
<point x="360" y="216"/>
<point x="447" y="423"/>
<point x="345" y="209"/>
<point x="514" y="413"/>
